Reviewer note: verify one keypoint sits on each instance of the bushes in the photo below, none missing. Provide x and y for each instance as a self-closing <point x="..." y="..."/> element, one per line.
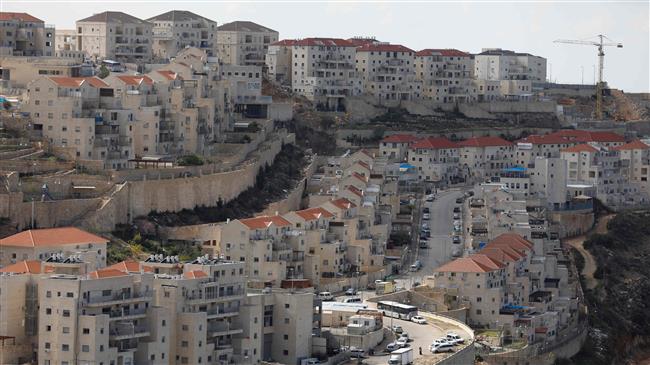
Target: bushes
<point x="190" y="160"/>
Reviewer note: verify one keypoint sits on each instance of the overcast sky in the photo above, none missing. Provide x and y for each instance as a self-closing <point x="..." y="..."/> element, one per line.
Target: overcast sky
<point x="469" y="26"/>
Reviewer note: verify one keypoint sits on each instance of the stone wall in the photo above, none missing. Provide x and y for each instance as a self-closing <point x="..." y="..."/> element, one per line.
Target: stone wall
<point x="573" y="223"/>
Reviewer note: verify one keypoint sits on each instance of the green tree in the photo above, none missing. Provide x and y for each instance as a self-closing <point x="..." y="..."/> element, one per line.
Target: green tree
<point x="103" y="72"/>
<point x="190" y="160"/>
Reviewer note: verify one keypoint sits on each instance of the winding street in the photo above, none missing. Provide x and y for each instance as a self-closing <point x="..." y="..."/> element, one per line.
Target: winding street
<point x="590" y="263"/>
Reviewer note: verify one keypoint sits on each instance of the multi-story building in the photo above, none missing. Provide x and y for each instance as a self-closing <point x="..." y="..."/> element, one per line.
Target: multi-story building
<point x="395" y="147"/>
<point x="507" y="74"/>
<point x="446" y="75"/>
<point x="635" y="163"/>
<point x="18" y="72"/>
<point x="66" y="40"/>
<point x="244" y="43"/>
<point x="115" y="35"/>
<point x="323" y="71"/>
<point x="279" y="61"/>
<point x="24" y="35"/>
<point x="176" y="29"/>
<point x="481" y="157"/>
<point x="435" y="158"/>
<point x="40" y="244"/>
<point x="388" y="72"/>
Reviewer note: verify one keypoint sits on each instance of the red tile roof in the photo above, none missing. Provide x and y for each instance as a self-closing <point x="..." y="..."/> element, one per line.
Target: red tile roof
<point x="476" y="263"/>
<point x="442" y="52"/>
<point x="363" y="164"/>
<point x="169" y="75"/>
<point x="51" y="237"/>
<point x="77" y="81"/>
<point x="6" y="16"/>
<point x="196" y="274"/>
<point x="358" y="42"/>
<point x="285" y="42"/>
<point x="130" y="266"/>
<point x="513" y="241"/>
<point x="24" y="267"/>
<point x="136" y="80"/>
<point x="326" y="42"/>
<point x="360" y="177"/>
<point x="106" y="273"/>
<point x="343" y="203"/>
<point x="634" y="145"/>
<point x="434" y="143"/>
<point x="400" y="138"/>
<point x="484" y="142"/>
<point x="573" y="136"/>
<point x="355" y="191"/>
<point x="383" y="47"/>
<point x="580" y="148"/>
<point x="264" y="222"/>
<point x="314" y="213"/>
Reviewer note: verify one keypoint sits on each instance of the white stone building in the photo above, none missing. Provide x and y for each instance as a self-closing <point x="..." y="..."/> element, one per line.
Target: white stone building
<point x="177" y="29"/>
<point x="446" y="75"/>
<point x="244" y="43"/>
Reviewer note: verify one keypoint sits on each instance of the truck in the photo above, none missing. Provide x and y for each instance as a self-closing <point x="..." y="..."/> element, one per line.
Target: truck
<point x="403" y="356"/>
<point x="384" y="287"/>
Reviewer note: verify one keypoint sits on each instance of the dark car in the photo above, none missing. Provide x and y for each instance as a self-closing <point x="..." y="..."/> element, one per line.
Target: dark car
<point x="459" y="200"/>
<point x="425" y="210"/>
<point x="456" y="209"/>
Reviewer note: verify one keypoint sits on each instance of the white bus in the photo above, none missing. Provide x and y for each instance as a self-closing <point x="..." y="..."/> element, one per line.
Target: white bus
<point x="397" y="310"/>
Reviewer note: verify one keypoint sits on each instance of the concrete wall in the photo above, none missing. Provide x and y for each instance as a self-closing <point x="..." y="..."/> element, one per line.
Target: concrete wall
<point x="573" y="223"/>
<point x="367" y="341"/>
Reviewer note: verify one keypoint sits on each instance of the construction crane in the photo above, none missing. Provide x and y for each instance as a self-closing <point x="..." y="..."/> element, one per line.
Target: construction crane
<point x="601" y="56"/>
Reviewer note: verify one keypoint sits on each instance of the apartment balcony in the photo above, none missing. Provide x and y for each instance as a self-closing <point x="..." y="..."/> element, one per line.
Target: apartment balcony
<point x="222" y="312"/>
<point x="121" y="40"/>
<point x="23" y="35"/>
<point x="222" y="329"/>
<point x="117" y="298"/>
<point x="162" y="33"/>
<point x="129" y="345"/>
<point x="130" y="314"/>
<point x="200" y="298"/>
<point x="125" y="332"/>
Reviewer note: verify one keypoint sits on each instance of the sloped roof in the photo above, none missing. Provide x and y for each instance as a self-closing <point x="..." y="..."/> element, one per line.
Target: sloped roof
<point x="244" y="26"/>
<point x="178" y="16"/>
<point x="196" y="274"/>
<point x="285" y="42"/>
<point x="484" y="142"/>
<point x="383" y="47"/>
<point x="433" y="143"/>
<point x="106" y="273"/>
<point x="476" y="263"/>
<point x="50" y="237"/>
<point x="364" y="165"/>
<point x="77" y="81"/>
<point x="637" y="144"/>
<point x="135" y="80"/>
<point x="442" y="52"/>
<point x="113" y="17"/>
<point x="24" y="267"/>
<point x="360" y="177"/>
<point x="355" y="191"/>
<point x="574" y="136"/>
<point x="400" y="138"/>
<point x="169" y="75"/>
<point x="314" y="213"/>
<point x="264" y="222"/>
<point x="360" y="41"/>
<point x="326" y="42"/>
<point x="343" y="203"/>
<point x="130" y="266"/>
<point x="580" y="148"/>
<point x="23" y="17"/>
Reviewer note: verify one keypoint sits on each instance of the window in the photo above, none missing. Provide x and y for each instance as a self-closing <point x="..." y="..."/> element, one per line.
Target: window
<point x="85" y="348"/>
<point x="86" y="331"/>
<point x="184" y="327"/>
<point x="66" y="329"/>
<point x="48" y="328"/>
<point x="65" y="347"/>
<point x="47" y="345"/>
<point x="286" y="337"/>
<point x="184" y="344"/>
<point x="66" y="313"/>
<point x="48" y="311"/>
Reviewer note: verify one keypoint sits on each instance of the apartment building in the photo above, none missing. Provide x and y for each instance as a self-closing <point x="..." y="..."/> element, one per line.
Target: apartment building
<point x="244" y="43"/>
<point x="435" y="158"/>
<point x="176" y="29"/>
<point x="22" y="34"/>
<point x="279" y="61"/>
<point x="17" y="72"/>
<point x="387" y="72"/>
<point x="506" y="74"/>
<point x="395" y="147"/>
<point x="115" y="35"/>
<point x="66" y="40"/>
<point x="41" y="244"/>
<point x="635" y="163"/>
<point x="323" y="70"/>
<point x="482" y="157"/>
<point x="446" y="75"/>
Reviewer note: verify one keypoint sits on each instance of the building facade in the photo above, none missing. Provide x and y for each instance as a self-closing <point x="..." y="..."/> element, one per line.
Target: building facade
<point x="174" y="30"/>
<point x="24" y="35"/>
<point x="244" y="43"/>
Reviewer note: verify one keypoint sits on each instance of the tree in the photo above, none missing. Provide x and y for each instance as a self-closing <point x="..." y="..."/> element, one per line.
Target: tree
<point x="103" y="72"/>
<point x="190" y="160"/>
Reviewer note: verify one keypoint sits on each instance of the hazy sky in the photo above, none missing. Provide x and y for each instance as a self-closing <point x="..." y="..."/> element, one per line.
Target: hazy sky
<point x="529" y="26"/>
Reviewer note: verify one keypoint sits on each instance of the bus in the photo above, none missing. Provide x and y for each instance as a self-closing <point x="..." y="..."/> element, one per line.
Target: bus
<point x="397" y="310"/>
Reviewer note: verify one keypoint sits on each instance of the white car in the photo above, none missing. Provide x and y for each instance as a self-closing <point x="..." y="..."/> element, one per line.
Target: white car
<point x="419" y="319"/>
<point x="402" y="342"/>
<point x="454" y="338"/>
<point x="443" y="347"/>
<point x="392" y="347"/>
<point x="426" y="216"/>
<point x="355" y="352"/>
<point x="440" y="341"/>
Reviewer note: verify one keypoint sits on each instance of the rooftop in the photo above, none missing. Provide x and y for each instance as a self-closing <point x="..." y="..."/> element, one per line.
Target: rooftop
<point x="400" y="138"/>
<point x="326" y="42"/>
<point x="244" y="26"/>
<point x="23" y="267"/>
<point x="383" y="47"/>
<point x="484" y="142"/>
<point x="264" y="222"/>
<point x="51" y="237"/>
<point x="113" y="17"/>
<point x="314" y="213"/>
<point x="442" y="52"/>
<point x="23" y="17"/>
<point x="433" y="143"/>
<point x="476" y="263"/>
<point x="178" y="16"/>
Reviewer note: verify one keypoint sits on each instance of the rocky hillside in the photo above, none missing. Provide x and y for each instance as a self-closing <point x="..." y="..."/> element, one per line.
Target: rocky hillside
<point x="619" y="306"/>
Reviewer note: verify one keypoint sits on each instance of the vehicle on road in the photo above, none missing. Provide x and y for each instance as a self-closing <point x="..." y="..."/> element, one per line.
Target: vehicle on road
<point x="310" y="361"/>
<point x="392" y="347"/>
<point x="456" y="209"/>
<point x="385" y="287"/>
<point x="397" y="310"/>
<point x="430" y="198"/>
<point x="470" y="193"/>
<point x="443" y="347"/>
<point x="325" y="296"/>
<point x="426" y="216"/>
<point x="453" y="337"/>
<point x="424" y="243"/>
<point x="356" y="352"/>
<point x="402" y="342"/>
<point x="419" y="320"/>
<point x="397" y="329"/>
<point x="401" y="357"/>
<point x="351" y="291"/>
<point x="456" y="215"/>
<point x="457" y="229"/>
<point x="459" y="200"/>
<point x="352" y="300"/>
<point x="457" y="252"/>
<point x="426" y="210"/>
<point x="456" y="239"/>
<point x="405" y="336"/>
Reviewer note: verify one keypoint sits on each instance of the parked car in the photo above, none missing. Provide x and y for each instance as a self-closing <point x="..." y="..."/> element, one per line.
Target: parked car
<point x="456" y="239"/>
<point x="443" y="347"/>
<point x="456" y="252"/>
<point x="457" y="229"/>
<point x="454" y="338"/>
<point x="352" y="300"/>
<point x="414" y="268"/>
<point x="404" y="336"/>
<point x="402" y="342"/>
<point x="439" y="341"/>
<point x="398" y="329"/>
<point x="430" y="198"/>
<point x="392" y="347"/>
<point x="356" y="352"/>
<point x="426" y="210"/>
<point x="419" y="320"/>
<point x="456" y="209"/>
<point x="351" y="291"/>
<point x="459" y="200"/>
<point x="426" y="216"/>
<point x="470" y="193"/>
<point x="325" y="296"/>
<point x="456" y="215"/>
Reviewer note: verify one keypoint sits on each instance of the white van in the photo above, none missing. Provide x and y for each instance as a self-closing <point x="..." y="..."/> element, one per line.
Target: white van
<point x="325" y="296"/>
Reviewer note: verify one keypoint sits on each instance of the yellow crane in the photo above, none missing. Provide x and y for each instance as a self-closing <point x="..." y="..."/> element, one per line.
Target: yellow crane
<point x="601" y="56"/>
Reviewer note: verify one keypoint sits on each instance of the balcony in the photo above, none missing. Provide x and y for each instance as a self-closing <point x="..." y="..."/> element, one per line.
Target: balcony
<point x="127" y="331"/>
<point x="222" y="312"/>
<point x="198" y="298"/>
<point x="162" y="33"/>
<point x="222" y="329"/>
<point x="127" y="314"/>
<point x="117" y="298"/>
